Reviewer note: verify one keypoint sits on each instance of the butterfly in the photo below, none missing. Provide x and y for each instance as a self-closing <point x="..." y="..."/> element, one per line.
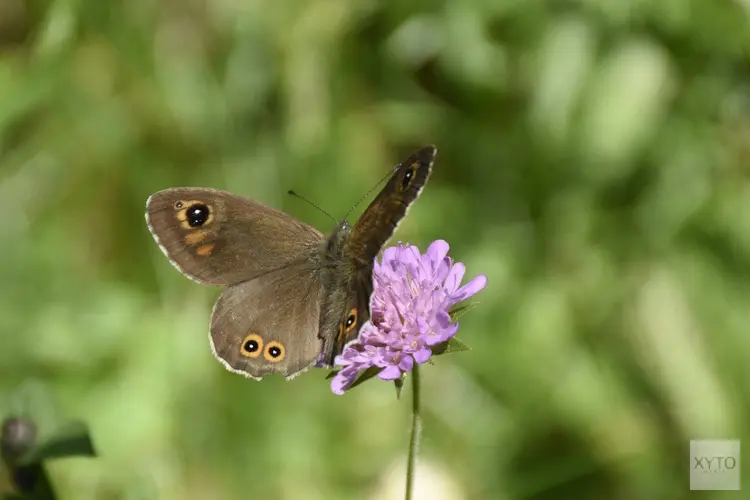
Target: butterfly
<point x="294" y="297"/>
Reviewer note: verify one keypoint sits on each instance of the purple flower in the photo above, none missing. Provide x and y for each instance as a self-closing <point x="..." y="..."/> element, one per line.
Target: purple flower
<point x="410" y="305"/>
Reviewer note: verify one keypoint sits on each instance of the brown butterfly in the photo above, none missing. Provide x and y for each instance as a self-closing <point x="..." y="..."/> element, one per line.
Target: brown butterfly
<point x="294" y="297"/>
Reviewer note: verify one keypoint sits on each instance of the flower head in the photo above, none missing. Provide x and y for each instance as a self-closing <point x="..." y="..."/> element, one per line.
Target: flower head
<point x="410" y="307"/>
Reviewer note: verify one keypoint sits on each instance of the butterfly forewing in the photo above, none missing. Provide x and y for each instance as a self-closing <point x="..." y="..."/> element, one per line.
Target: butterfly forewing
<point x="219" y="238"/>
<point x="371" y="231"/>
<point x="378" y="222"/>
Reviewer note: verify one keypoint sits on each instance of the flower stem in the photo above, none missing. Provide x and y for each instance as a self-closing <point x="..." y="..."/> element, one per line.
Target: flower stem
<point x="416" y="432"/>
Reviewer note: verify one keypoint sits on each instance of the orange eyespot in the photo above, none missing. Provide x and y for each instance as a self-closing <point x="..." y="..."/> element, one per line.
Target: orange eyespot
<point x="351" y="321"/>
<point x="274" y="351"/>
<point x="194" y="214"/>
<point x="252" y="346"/>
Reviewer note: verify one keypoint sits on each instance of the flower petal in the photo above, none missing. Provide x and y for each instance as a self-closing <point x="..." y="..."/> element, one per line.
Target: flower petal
<point x="406" y="364"/>
<point x="437" y="251"/>
<point x="390" y="373"/>
<point x="390" y="254"/>
<point x="343" y="380"/>
<point x="442" y="271"/>
<point x="422" y="355"/>
<point x="471" y="288"/>
<point x="453" y="281"/>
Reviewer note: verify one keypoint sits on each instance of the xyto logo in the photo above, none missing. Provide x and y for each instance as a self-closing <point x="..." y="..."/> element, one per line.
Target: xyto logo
<point x="714" y="464"/>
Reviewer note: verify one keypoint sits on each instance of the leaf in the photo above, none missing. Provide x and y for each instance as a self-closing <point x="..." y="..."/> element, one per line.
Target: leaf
<point x="450" y="346"/>
<point x="399" y="383"/>
<point x="461" y="310"/>
<point x="71" y="440"/>
<point x="363" y="377"/>
<point x="366" y="375"/>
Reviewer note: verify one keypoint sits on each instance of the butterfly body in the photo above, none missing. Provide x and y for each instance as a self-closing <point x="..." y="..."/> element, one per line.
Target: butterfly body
<point x="293" y="297"/>
<point x="347" y="289"/>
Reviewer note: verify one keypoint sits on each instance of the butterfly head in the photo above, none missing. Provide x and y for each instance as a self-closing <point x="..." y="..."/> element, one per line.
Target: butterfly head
<point x="337" y="240"/>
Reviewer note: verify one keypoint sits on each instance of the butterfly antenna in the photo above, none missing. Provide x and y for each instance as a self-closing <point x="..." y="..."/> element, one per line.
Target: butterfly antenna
<point x="294" y="193"/>
<point x="368" y="193"/>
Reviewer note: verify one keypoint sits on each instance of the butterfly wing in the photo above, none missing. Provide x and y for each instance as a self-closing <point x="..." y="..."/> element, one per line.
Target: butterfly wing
<point x="373" y="229"/>
<point x="346" y="308"/>
<point x="215" y="237"/>
<point x="378" y="222"/>
<point x="269" y="324"/>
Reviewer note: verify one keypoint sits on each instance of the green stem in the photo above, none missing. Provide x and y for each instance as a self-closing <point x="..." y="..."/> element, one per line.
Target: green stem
<point x="416" y="432"/>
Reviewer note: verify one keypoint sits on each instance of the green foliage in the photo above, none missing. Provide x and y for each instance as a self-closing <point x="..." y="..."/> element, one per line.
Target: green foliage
<point x="25" y="449"/>
<point x="592" y="162"/>
<point x="451" y="346"/>
<point x="71" y="440"/>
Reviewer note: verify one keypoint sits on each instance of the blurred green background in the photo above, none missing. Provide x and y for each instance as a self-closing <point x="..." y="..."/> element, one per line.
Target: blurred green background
<point x="592" y="162"/>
